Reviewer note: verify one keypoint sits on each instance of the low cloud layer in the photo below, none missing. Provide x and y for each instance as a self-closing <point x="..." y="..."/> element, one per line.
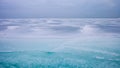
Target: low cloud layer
<point x="58" y="28"/>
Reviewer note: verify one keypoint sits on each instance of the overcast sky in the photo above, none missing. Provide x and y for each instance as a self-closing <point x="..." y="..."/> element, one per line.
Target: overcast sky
<point x="59" y="8"/>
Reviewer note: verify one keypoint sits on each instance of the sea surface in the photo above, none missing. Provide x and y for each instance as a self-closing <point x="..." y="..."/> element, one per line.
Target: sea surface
<point x="60" y="43"/>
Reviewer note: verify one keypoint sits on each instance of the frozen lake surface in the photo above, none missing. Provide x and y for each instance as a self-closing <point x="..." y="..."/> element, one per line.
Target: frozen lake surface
<point x="60" y="43"/>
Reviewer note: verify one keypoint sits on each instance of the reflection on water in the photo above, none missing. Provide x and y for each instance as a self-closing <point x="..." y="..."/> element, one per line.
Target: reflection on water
<point x="60" y="43"/>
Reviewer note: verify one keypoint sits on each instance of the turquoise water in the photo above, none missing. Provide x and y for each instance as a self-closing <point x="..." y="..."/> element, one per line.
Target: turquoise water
<point x="57" y="60"/>
<point x="60" y="43"/>
<point x="101" y="53"/>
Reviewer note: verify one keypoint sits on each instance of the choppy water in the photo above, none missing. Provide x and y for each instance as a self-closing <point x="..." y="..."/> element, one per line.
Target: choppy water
<point x="58" y="60"/>
<point x="60" y="43"/>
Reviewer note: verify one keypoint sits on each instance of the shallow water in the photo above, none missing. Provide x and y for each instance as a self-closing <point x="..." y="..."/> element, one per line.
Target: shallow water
<point x="58" y="60"/>
<point x="60" y="43"/>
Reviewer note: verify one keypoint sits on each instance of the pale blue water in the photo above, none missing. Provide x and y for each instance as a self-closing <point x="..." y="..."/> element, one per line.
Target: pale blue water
<point x="60" y="43"/>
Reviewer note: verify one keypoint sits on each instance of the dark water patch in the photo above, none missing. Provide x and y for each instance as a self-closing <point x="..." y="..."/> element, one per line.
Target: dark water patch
<point x="50" y="53"/>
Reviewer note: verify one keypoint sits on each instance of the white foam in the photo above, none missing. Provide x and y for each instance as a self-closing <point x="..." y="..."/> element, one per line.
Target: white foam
<point x="99" y="57"/>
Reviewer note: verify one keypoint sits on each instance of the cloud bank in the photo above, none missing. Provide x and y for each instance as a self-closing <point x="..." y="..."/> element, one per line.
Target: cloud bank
<point x="58" y="28"/>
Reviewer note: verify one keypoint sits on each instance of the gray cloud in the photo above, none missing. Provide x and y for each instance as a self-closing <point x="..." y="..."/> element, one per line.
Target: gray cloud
<point x="59" y="8"/>
<point x="110" y="28"/>
<point x="58" y="27"/>
<point x="2" y="27"/>
<point x="65" y="29"/>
